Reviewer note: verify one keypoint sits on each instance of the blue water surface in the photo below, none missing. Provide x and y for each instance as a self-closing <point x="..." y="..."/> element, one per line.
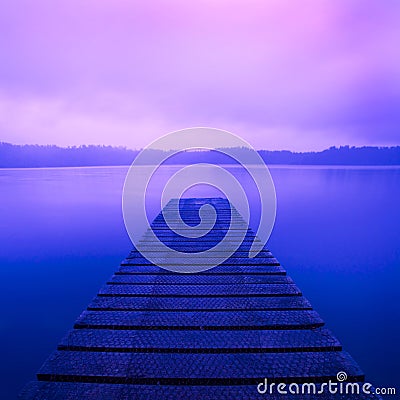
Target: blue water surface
<point x="62" y="235"/>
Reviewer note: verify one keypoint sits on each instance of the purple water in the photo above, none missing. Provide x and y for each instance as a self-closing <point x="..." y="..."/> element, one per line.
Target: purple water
<point x="62" y="235"/>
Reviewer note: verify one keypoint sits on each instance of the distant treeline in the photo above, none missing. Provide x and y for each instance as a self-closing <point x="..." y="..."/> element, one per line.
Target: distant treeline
<point x="27" y="156"/>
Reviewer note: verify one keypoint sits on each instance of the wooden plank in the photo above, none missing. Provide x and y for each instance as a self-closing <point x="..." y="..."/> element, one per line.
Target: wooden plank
<point x="226" y="341"/>
<point x="200" y="320"/>
<point x="120" y="303"/>
<point x="103" y="391"/>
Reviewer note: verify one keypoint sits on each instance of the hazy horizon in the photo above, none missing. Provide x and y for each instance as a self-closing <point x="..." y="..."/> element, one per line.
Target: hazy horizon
<point x="140" y="149"/>
<point x="44" y="156"/>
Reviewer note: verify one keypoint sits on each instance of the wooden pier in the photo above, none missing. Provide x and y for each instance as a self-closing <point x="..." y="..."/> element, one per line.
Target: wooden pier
<point x="155" y="334"/>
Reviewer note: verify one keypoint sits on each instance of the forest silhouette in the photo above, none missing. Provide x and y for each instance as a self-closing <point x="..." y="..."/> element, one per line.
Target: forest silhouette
<point x="30" y="156"/>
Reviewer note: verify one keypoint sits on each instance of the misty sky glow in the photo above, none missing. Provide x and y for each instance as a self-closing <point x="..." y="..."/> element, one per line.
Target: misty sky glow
<point x="299" y="75"/>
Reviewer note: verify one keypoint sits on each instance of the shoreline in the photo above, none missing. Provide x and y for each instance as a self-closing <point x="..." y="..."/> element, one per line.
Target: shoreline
<point x="270" y="166"/>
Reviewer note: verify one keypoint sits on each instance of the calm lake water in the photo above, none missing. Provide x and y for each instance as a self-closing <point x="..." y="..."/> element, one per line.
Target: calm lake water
<point x="62" y="235"/>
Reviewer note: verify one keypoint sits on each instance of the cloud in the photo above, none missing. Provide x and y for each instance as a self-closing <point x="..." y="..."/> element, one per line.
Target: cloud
<point x="302" y="75"/>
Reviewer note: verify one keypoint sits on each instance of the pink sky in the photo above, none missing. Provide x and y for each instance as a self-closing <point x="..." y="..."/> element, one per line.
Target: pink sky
<point x="299" y="75"/>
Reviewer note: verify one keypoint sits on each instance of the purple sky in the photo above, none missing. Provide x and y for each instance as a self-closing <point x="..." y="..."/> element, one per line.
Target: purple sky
<point x="282" y="74"/>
